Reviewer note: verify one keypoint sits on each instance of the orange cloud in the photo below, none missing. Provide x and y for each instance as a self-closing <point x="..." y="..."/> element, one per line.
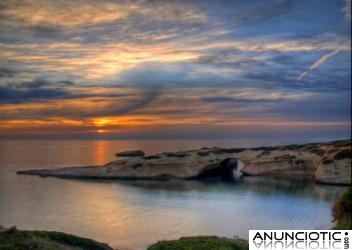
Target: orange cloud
<point x="79" y="13"/>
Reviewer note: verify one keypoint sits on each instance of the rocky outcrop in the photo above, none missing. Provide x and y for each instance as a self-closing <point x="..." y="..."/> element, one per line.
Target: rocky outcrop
<point x="324" y="162"/>
<point x="130" y="153"/>
<point x="154" y="168"/>
<point x="336" y="172"/>
<point x="279" y="168"/>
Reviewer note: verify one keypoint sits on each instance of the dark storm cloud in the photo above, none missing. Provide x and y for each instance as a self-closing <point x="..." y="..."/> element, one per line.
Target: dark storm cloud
<point x="10" y="94"/>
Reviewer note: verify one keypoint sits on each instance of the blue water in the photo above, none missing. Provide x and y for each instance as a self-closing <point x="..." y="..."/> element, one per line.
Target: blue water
<point x="134" y="214"/>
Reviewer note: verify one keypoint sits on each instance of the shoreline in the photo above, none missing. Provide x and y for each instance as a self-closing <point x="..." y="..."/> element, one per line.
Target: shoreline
<point x="325" y="163"/>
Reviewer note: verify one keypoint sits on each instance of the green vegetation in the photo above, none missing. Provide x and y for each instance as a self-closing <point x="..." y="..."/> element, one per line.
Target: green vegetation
<point x="286" y="157"/>
<point x="343" y="154"/>
<point x="342" y="211"/>
<point x="201" y="243"/>
<point x="150" y="157"/>
<point x="23" y="240"/>
<point x="293" y="147"/>
<point x="317" y="150"/>
<point x="264" y="148"/>
<point x="263" y="153"/>
<point x="177" y="155"/>
<point x="340" y="143"/>
<point x="219" y="151"/>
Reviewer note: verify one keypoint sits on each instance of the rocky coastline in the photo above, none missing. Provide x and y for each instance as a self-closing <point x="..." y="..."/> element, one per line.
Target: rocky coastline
<point x="328" y="163"/>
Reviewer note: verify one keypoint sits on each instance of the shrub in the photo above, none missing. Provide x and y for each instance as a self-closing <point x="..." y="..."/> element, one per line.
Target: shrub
<point x="341" y="143"/>
<point x="200" y="243"/>
<point x="203" y="153"/>
<point x="342" y="211"/>
<point x="177" y="155"/>
<point x="150" y="157"/>
<point x="264" y="148"/>
<point x="227" y="150"/>
<point x="292" y="147"/>
<point x="23" y="240"/>
<point x="318" y="151"/>
<point x="71" y="240"/>
<point x="344" y="154"/>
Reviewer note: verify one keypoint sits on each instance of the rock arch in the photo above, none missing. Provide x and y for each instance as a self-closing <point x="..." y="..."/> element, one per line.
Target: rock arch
<point x="224" y="169"/>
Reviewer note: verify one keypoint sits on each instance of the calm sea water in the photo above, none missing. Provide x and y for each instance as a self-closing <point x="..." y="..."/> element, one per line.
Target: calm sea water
<point x="134" y="214"/>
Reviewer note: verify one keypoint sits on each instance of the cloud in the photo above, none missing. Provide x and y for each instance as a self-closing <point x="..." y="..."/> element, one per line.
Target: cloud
<point x="241" y="101"/>
<point x="5" y="72"/>
<point x="149" y="66"/>
<point x="97" y="61"/>
<point x="92" y="61"/>
<point x="14" y="95"/>
<point x="347" y="10"/>
<point x="82" y="13"/>
<point x="317" y="63"/>
<point x="62" y="13"/>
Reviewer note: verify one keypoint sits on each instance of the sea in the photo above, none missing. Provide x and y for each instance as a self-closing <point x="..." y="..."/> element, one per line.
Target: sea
<point x="135" y="214"/>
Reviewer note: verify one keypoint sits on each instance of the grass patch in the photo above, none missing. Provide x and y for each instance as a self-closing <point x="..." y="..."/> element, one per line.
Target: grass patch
<point x="342" y="211"/>
<point x="201" y="243"/>
<point x="23" y="240"/>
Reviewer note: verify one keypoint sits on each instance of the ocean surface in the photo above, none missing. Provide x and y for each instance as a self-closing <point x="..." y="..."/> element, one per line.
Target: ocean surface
<point x="134" y="214"/>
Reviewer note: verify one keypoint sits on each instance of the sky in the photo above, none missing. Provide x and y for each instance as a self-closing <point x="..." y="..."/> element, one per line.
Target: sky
<point x="175" y="69"/>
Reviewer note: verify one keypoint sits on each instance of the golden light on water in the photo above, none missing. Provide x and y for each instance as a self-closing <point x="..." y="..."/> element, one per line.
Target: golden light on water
<point x="100" y="131"/>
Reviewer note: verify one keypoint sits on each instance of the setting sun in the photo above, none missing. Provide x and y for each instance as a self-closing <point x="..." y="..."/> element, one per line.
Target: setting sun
<point x="100" y="122"/>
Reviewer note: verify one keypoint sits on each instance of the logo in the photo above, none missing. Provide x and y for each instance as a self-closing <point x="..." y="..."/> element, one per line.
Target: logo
<point x="299" y="239"/>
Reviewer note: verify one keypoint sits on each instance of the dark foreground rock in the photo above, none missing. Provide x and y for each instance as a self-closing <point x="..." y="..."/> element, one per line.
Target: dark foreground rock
<point x="328" y="163"/>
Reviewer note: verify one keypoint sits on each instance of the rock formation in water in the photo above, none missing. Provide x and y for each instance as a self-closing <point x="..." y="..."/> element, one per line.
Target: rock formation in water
<point x="323" y="162"/>
<point x="130" y="153"/>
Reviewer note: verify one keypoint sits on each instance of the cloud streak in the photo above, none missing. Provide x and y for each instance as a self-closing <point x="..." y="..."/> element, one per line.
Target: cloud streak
<point x="317" y="63"/>
<point x="81" y="13"/>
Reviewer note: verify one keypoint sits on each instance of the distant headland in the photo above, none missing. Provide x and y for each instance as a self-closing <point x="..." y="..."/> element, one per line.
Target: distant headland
<point x="328" y="162"/>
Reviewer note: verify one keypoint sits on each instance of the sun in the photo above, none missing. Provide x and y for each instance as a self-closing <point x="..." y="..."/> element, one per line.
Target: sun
<point x="101" y="122"/>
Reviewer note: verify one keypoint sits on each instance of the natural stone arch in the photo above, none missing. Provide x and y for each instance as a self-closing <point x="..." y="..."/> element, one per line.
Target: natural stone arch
<point x="223" y="169"/>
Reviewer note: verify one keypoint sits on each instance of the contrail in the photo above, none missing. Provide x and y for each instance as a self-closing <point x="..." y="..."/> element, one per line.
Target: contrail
<point x="319" y="62"/>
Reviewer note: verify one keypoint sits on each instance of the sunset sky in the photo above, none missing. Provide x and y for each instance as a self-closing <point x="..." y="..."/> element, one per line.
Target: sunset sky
<point x="175" y="69"/>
